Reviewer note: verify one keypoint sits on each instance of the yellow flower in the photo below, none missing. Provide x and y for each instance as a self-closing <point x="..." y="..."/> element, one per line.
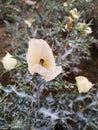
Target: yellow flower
<point x="83" y="84"/>
<point x="41" y="60"/>
<point x="84" y="27"/>
<point x="9" y="62"/>
<point x="75" y="13"/>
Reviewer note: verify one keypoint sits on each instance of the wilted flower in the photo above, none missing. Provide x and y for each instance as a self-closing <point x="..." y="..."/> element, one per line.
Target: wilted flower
<point x="83" y="84"/>
<point x="41" y="60"/>
<point x="84" y="27"/>
<point x="75" y="13"/>
<point x="69" y="23"/>
<point x="9" y="62"/>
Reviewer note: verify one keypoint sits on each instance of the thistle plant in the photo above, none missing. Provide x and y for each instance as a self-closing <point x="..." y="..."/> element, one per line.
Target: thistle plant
<point x="47" y="37"/>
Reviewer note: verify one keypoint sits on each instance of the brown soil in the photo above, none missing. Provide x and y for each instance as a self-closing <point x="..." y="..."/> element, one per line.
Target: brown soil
<point x="86" y="67"/>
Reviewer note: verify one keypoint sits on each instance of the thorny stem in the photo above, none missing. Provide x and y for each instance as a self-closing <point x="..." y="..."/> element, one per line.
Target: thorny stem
<point x="38" y="85"/>
<point x="38" y="95"/>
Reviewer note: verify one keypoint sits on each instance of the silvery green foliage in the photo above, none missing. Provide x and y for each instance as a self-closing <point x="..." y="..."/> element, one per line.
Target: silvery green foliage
<point x="75" y="111"/>
<point x="28" y="102"/>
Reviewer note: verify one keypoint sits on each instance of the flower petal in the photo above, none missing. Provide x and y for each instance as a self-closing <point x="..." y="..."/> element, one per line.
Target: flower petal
<point x="48" y="74"/>
<point x="83" y="84"/>
<point x="39" y="49"/>
<point x="88" y="30"/>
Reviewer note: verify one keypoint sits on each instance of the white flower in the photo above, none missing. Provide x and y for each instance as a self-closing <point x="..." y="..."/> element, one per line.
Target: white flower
<point x="83" y="84"/>
<point x="88" y="30"/>
<point x="29" y="22"/>
<point x="9" y="62"/>
<point x="41" y="60"/>
<point x="88" y="0"/>
<point x="75" y="13"/>
<point x="29" y="2"/>
<point x="65" y="4"/>
<point x="84" y="27"/>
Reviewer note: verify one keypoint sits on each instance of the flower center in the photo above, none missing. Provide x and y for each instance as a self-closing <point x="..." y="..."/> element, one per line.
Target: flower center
<point x="42" y="61"/>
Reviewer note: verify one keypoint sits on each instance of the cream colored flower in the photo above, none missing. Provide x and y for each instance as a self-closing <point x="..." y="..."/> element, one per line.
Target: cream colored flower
<point x="29" y="22"/>
<point x="88" y="0"/>
<point x="9" y="62"/>
<point x="41" y="60"/>
<point x="88" y="30"/>
<point x="75" y="13"/>
<point x="65" y="4"/>
<point x="84" y="27"/>
<point x="83" y="84"/>
<point x="29" y="2"/>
